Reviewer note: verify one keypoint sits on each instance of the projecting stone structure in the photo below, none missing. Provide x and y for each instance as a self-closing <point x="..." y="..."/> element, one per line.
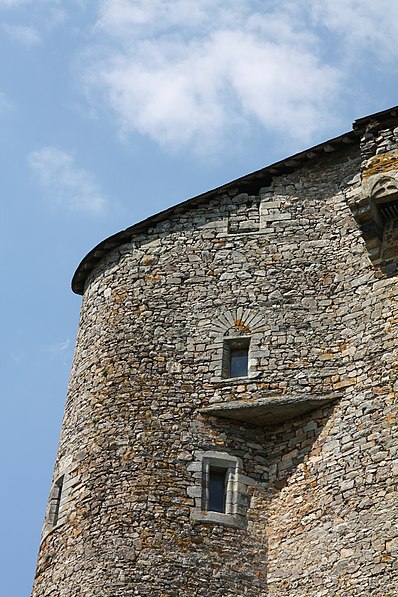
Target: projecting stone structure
<point x="231" y="421"/>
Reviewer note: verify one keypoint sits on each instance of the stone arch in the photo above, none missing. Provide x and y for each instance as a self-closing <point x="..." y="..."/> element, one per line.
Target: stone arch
<point x="238" y="322"/>
<point x="233" y="329"/>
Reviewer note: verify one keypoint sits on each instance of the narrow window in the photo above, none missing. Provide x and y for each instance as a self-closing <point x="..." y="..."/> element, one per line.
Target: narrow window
<point x="217" y="489"/>
<point x="220" y="491"/>
<point x="236" y="357"/>
<point x="57" y="499"/>
<point x="238" y="362"/>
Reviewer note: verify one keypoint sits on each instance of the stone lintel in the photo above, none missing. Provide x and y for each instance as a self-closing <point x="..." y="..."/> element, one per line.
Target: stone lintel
<point x="268" y="411"/>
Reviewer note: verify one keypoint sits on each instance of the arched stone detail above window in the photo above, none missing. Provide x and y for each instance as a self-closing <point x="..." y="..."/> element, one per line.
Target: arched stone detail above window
<point x="239" y="322"/>
<point x="237" y="334"/>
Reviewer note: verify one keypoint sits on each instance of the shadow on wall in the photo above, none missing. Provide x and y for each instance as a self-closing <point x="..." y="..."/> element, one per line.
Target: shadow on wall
<point x="278" y="457"/>
<point x="288" y="450"/>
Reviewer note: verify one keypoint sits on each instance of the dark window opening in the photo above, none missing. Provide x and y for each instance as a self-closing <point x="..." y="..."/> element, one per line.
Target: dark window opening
<point x="217" y="488"/>
<point x="236" y="358"/>
<point x="238" y="362"/>
<point x="57" y="499"/>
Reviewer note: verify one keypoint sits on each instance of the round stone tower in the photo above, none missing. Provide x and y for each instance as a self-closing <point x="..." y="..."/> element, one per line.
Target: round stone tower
<point x="220" y="435"/>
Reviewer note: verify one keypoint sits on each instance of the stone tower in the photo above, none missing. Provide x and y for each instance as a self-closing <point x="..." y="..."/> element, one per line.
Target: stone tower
<point x="231" y="418"/>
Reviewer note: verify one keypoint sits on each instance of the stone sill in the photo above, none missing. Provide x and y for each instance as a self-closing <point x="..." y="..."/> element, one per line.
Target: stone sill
<point x="268" y="411"/>
<point x="236" y="521"/>
<point x="237" y="381"/>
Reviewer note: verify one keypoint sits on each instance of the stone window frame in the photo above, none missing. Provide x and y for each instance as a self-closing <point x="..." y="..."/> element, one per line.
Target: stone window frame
<point x="241" y="322"/>
<point x="237" y="496"/>
<point x="219" y="365"/>
<point x="60" y="496"/>
<point x="55" y="500"/>
<point x="231" y="343"/>
<point x="55" y="514"/>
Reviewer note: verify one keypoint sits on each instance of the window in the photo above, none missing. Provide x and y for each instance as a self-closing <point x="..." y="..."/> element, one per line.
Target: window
<point x="217" y="489"/>
<point x="219" y="483"/>
<point x="221" y="490"/>
<point x="62" y="495"/>
<point x="56" y="500"/>
<point x="238" y="362"/>
<point x="236" y="357"/>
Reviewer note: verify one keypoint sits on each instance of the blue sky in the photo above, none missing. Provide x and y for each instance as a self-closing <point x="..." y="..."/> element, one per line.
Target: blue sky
<point x="113" y="110"/>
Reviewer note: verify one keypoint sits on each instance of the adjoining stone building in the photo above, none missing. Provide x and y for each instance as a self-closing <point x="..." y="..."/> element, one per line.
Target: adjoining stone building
<point x="230" y="427"/>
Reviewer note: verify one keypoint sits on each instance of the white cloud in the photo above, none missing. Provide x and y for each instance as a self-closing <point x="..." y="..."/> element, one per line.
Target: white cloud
<point x="66" y="184"/>
<point x="139" y="17"/>
<point x="366" y="27"/>
<point x="53" y="4"/>
<point x="193" y="73"/>
<point x="226" y="81"/>
<point x="197" y="73"/>
<point x="27" y="36"/>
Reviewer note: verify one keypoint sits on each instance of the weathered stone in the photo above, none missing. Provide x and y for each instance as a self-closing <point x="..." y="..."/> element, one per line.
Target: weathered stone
<point x="300" y="260"/>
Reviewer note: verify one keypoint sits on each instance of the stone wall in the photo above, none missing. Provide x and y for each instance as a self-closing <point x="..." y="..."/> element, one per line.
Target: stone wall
<point x="287" y="266"/>
<point x="332" y="526"/>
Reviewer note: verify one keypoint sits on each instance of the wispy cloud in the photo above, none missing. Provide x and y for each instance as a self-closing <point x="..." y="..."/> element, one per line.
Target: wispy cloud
<point x="65" y="184"/>
<point x="58" y="348"/>
<point x="12" y="3"/>
<point x="48" y="4"/>
<point x="196" y="73"/>
<point x="59" y="351"/>
<point x="32" y="20"/>
<point x="366" y="28"/>
<point x="188" y="73"/>
<point x="28" y="36"/>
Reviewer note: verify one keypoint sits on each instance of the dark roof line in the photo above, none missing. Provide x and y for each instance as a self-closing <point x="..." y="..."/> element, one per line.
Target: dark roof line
<point x="282" y="167"/>
<point x="371" y="121"/>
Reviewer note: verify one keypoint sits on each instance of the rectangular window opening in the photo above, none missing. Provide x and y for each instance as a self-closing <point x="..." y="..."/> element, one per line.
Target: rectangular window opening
<point x="236" y="358"/>
<point x="57" y="499"/>
<point x="221" y="497"/>
<point x="238" y="362"/>
<point x="217" y="489"/>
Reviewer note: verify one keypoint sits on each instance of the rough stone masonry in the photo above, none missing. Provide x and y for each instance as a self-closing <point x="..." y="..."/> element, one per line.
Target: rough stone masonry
<point x="292" y="269"/>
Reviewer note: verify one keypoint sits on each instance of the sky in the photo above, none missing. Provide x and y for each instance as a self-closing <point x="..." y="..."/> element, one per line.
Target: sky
<point x="112" y="110"/>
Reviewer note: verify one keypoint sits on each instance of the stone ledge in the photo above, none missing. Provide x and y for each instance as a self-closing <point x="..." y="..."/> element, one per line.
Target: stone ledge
<point x="266" y="411"/>
<point x="227" y="520"/>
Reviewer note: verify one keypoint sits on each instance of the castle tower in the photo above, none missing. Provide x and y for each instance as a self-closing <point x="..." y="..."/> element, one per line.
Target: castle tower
<point x="230" y="423"/>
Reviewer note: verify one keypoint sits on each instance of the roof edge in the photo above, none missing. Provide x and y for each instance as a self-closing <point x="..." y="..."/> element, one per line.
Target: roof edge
<point x="373" y="120"/>
<point x="284" y="166"/>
